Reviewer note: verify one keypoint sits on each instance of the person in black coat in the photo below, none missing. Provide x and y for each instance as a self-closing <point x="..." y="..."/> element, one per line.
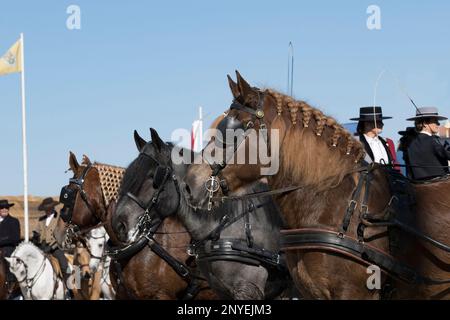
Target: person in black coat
<point x="9" y="229"/>
<point x="428" y="157"/>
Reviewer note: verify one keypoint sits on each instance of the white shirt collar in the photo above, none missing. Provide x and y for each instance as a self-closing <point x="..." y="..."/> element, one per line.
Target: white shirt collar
<point x="426" y="132"/>
<point x="1" y="219"/>
<point x="375" y="138"/>
<point x="49" y="219"/>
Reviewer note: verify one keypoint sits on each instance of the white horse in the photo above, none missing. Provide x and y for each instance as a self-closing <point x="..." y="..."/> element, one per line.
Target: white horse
<point x="99" y="263"/>
<point x="35" y="274"/>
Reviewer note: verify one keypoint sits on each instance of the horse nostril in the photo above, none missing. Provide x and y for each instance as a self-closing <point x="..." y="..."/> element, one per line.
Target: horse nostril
<point x="121" y="229"/>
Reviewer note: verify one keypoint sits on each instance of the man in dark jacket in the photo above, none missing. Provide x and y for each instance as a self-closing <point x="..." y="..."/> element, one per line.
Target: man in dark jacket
<point x="9" y="229"/>
<point x="428" y="157"/>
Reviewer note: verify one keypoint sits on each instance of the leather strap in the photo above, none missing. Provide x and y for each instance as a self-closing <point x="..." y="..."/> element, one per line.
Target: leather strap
<point x="321" y="239"/>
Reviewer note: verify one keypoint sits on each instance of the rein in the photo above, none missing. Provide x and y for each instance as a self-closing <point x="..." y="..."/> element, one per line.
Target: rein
<point x="30" y="282"/>
<point x="212" y="248"/>
<point x="147" y="226"/>
<point x="216" y="181"/>
<point x="340" y="242"/>
<point x="334" y="241"/>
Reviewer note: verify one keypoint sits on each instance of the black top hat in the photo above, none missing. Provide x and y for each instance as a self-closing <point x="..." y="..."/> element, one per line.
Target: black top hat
<point x="5" y="204"/>
<point x="370" y="114"/>
<point x="47" y="203"/>
<point x="427" y="113"/>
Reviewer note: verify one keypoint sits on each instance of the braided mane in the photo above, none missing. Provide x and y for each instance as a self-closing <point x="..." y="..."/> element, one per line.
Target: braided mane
<point x="314" y="147"/>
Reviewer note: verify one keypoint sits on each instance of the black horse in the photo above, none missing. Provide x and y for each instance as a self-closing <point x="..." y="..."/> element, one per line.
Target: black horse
<point x="236" y="246"/>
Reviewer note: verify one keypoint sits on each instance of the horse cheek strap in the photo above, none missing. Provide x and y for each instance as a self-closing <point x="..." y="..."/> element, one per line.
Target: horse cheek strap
<point x="159" y="177"/>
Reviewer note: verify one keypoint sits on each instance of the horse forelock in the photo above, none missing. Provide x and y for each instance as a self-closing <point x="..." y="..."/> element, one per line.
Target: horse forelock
<point x="135" y="175"/>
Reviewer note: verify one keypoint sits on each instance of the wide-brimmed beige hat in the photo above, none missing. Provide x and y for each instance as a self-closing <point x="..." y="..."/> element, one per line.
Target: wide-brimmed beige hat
<point x="47" y="203"/>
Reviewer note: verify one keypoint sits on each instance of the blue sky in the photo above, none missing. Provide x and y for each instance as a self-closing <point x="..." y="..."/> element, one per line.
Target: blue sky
<point x="140" y="64"/>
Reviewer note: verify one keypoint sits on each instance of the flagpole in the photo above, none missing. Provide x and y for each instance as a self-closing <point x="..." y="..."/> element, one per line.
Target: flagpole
<point x="24" y="142"/>
<point x="290" y="75"/>
<point x="200" y="137"/>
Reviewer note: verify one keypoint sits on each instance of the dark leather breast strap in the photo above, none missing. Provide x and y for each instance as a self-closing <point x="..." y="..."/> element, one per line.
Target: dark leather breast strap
<point x="303" y="239"/>
<point x="353" y="203"/>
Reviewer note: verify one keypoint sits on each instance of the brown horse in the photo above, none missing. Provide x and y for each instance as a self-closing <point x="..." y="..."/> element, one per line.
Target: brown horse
<point x="81" y="259"/>
<point x="321" y="161"/>
<point x="145" y="275"/>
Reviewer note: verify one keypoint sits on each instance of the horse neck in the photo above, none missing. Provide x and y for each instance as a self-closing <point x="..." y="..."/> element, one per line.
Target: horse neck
<point x="309" y="160"/>
<point x="100" y="210"/>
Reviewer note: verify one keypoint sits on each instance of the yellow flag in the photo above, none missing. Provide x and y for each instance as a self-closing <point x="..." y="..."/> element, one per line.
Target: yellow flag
<point x="11" y="61"/>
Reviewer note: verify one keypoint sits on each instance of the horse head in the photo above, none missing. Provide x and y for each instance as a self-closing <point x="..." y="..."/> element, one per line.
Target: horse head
<point x="149" y="186"/>
<point x="150" y="192"/>
<point x="83" y="200"/>
<point x="96" y="243"/>
<point x="25" y="259"/>
<point x="240" y="149"/>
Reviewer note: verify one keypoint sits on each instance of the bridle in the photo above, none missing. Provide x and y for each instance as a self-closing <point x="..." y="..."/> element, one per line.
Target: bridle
<point x="211" y="247"/>
<point x="216" y="180"/>
<point x="148" y="220"/>
<point x="68" y="198"/>
<point x="88" y="247"/>
<point x="337" y="241"/>
<point x="30" y="282"/>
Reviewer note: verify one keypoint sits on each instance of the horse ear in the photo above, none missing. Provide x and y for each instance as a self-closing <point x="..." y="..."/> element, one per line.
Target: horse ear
<point x="86" y="161"/>
<point x="73" y="162"/>
<point x="156" y="139"/>
<point x="247" y="92"/>
<point x="233" y="87"/>
<point x="140" y="143"/>
<point x="9" y="260"/>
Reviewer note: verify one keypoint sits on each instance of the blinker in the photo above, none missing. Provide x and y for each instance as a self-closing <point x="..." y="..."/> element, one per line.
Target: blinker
<point x="67" y="198"/>
<point x="227" y="125"/>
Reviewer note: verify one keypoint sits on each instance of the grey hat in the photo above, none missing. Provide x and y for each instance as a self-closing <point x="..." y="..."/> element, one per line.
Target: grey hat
<point x="426" y="113"/>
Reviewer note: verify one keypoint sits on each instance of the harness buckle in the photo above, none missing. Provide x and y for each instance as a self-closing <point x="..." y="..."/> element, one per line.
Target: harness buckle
<point x="190" y="251"/>
<point x="392" y="200"/>
<point x="209" y="205"/>
<point x="364" y="209"/>
<point x="249" y="125"/>
<point x="352" y="205"/>
<point x="277" y="259"/>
